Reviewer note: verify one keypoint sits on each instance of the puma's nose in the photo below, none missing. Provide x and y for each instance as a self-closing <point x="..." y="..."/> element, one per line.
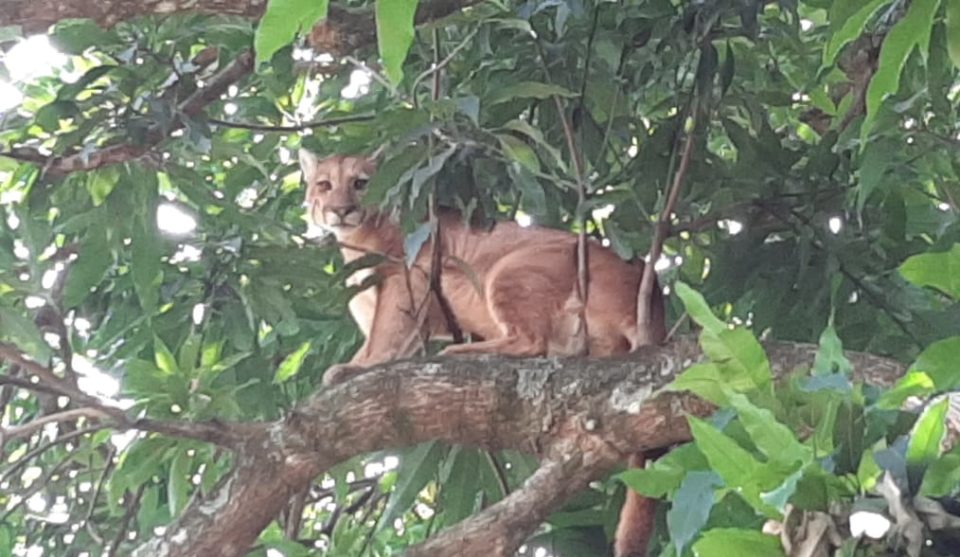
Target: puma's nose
<point x="342" y="212"/>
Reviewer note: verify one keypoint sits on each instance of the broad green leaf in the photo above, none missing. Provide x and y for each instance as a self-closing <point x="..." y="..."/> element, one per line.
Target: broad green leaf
<point x="911" y="31"/>
<point x="414" y="241"/>
<point x="281" y="22"/>
<point x="163" y="357"/>
<point x="734" y="541"/>
<point x="777" y="498"/>
<point x="178" y="483"/>
<point x="290" y="365"/>
<point x="93" y="261"/>
<point x="23" y="333"/>
<point x="145" y="264"/>
<point x="953" y="30"/>
<point x="704" y="380"/>
<point x="727" y="458"/>
<point x="942" y="477"/>
<point x="939" y="270"/>
<point x="418" y="466"/>
<point x="925" y="440"/>
<point x="739" y="353"/>
<point x="691" y="507"/>
<point x="528" y="90"/>
<point x="518" y="150"/>
<point x="852" y="26"/>
<point x="774" y="439"/>
<point x="100" y="183"/>
<point x="914" y="383"/>
<point x="652" y="482"/>
<point x="940" y="361"/>
<point x="698" y="309"/>
<point x="395" y="34"/>
<point x="462" y="469"/>
<point x="830" y="358"/>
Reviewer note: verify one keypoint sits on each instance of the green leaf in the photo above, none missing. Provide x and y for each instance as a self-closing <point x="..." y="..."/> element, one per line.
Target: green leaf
<point x="413" y="243"/>
<point x="163" y="357"/>
<point x="101" y="182"/>
<point x="652" y="482"/>
<point x="691" y="507"/>
<point x="953" y="30"/>
<point x="290" y="365"/>
<point x="418" y="465"/>
<point x="23" y="333"/>
<point x="739" y="353"/>
<point x="852" y="26"/>
<point x="939" y="362"/>
<point x="735" y="541"/>
<point x="178" y="483"/>
<point x="940" y="270"/>
<point x="778" y="497"/>
<point x="698" y="309"/>
<point x="527" y="90"/>
<point x="830" y="358"/>
<point x="774" y="439"/>
<point x="281" y="22"/>
<point x="145" y="264"/>
<point x="704" y="380"/>
<point x="914" y="383"/>
<point x="728" y="459"/>
<point x="395" y="34"/>
<point x="519" y="151"/>
<point x="925" y="440"/>
<point x="942" y="477"/>
<point x="93" y="261"/>
<point x="74" y="36"/>
<point x="911" y="31"/>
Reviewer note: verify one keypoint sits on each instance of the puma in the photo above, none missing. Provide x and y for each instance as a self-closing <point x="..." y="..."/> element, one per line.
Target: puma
<point x="513" y="287"/>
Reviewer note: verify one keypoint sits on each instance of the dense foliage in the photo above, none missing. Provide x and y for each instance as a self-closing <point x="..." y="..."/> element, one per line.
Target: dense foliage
<point x="820" y="206"/>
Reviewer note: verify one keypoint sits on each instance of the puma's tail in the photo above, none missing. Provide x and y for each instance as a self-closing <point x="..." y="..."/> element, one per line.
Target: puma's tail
<point x="636" y="519"/>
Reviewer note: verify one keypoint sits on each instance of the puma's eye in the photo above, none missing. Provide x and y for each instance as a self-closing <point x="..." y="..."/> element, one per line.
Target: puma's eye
<point x="324" y="185"/>
<point x="360" y="183"/>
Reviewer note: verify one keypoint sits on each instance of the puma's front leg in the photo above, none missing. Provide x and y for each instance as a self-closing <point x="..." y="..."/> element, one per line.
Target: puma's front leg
<point x="393" y="332"/>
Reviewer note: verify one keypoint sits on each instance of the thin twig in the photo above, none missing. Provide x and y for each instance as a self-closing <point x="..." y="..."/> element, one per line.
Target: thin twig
<point x="645" y="334"/>
<point x="39" y="450"/>
<point x="27" y="429"/>
<point x="132" y="507"/>
<point x="437" y="67"/>
<point x="335" y="121"/>
<point x="582" y="334"/>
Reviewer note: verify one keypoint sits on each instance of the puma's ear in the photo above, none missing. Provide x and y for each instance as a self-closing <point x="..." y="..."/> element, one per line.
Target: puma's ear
<point x="376" y="157"/>
<point x="308" y="163"/>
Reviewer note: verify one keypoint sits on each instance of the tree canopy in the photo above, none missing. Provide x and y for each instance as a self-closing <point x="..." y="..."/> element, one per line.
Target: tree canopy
<point x="166" y="314"/>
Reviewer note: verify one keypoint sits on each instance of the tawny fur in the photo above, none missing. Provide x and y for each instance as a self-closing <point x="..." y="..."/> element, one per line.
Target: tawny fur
<point x="513" y="287"/>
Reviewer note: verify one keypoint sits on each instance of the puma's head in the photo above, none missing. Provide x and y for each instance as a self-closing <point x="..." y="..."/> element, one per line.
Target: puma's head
<point x="334" y="188"/>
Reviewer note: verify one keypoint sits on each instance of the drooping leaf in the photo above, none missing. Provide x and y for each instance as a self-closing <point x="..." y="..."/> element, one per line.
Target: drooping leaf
<point x="691" y="507"/>
<point x="911" y="31"/>
<point x="924" y="446"/>
<point x="282" y="20"/>
<point x="953" y="30"/>
<point x="528" y="90"/>
<point x="774" y="439"/>
<point x="852" y="26"/>
<point x="290" y="365"/>
<point x="735" y="541"/>
<point x="395" y="34"/>
<point x="940" y="270"/>
<point x="23" y="333"/>
<point x="418" y="466"/>
<point x="93" y="262"/>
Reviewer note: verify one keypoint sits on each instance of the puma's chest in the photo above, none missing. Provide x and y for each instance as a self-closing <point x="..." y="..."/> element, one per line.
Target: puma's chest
<point x="364" y="304"/>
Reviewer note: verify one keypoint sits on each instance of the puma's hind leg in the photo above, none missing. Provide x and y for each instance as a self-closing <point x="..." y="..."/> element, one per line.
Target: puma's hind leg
<point x="526" y="294"/>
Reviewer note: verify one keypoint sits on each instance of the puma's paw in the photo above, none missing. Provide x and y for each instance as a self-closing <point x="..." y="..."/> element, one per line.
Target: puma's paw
<point x="338" y="373"/>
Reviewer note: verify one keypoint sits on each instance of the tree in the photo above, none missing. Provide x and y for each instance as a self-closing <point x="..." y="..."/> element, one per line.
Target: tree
<point x="167" y="315"/>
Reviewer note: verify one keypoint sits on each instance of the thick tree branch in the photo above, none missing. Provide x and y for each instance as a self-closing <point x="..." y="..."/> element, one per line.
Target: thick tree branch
<point x="605" y="409"/>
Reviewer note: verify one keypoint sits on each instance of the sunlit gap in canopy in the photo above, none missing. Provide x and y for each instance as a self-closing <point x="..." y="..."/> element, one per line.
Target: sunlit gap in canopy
<point x="28" y="59"/>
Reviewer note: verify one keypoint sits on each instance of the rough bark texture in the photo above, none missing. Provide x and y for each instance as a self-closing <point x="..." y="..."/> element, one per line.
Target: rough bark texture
<point x="580" y="416"/>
